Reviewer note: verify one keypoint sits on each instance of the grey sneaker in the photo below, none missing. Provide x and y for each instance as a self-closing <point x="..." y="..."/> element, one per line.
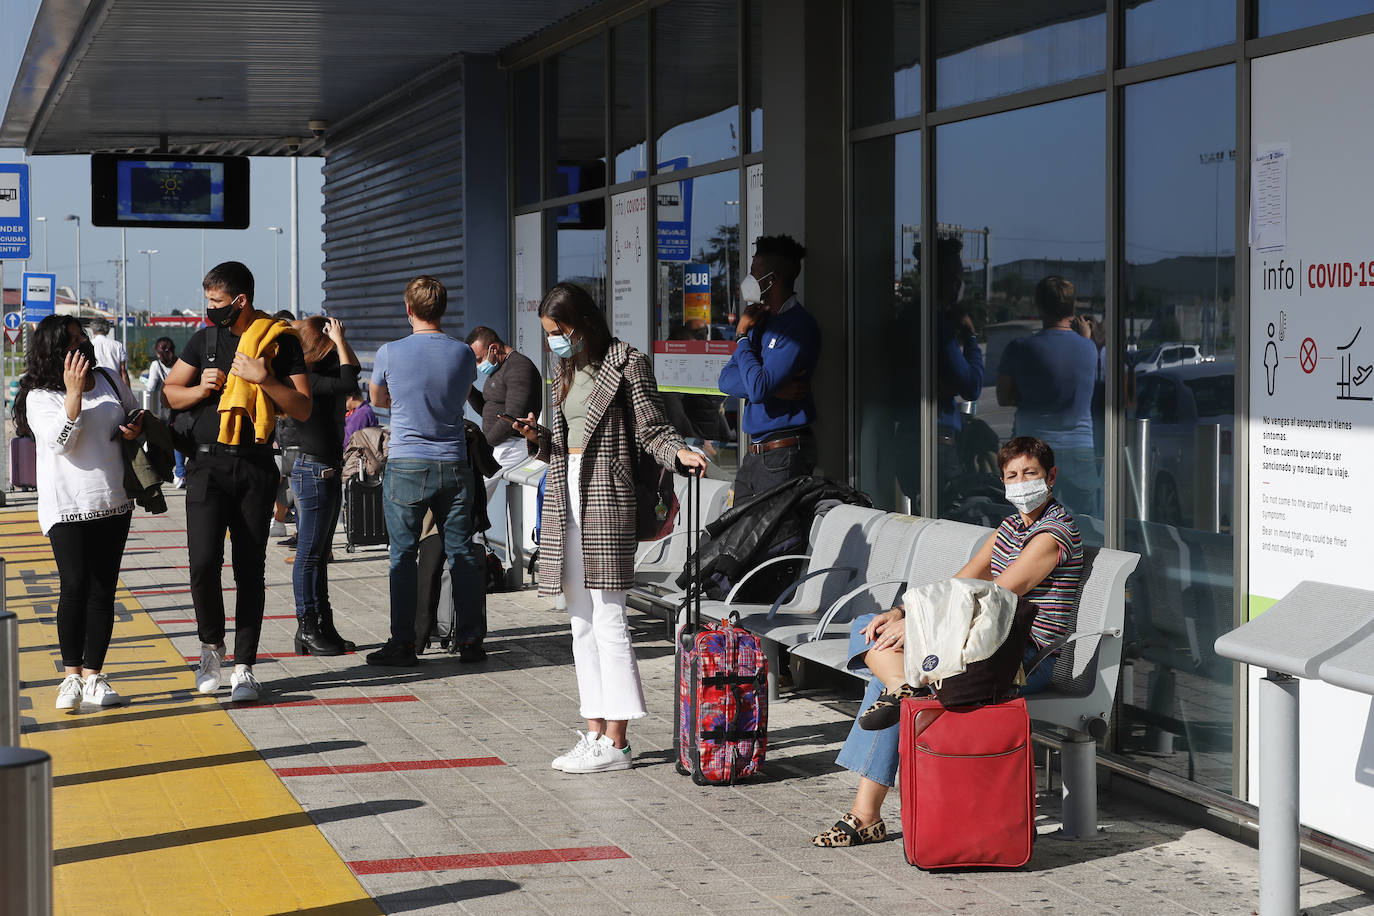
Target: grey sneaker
<point x="208" y="674"/>
<point x="244" y="688"/>
<point x="278" y="529"/>
<point x="603" y="755"/>
<point x="69" y="692"/>
<point x="98" y="693"/>
<point x="585" y="740"/>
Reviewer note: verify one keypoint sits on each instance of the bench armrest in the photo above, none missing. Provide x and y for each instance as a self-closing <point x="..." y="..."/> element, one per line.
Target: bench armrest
<point x="791" y="589"/>
<point x="844" y="599"/>
<point x="730" y="598"/>
<point x="1062" y="641"/>
<point x="660" y="543"/>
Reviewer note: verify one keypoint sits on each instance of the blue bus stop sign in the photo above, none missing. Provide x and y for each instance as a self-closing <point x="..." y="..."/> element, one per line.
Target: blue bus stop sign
<point x="39" y="295"/>
<point x="15" y="228"/>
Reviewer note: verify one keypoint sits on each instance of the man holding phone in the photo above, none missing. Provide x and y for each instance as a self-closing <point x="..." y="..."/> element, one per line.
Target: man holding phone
<point x="512" y="387"/>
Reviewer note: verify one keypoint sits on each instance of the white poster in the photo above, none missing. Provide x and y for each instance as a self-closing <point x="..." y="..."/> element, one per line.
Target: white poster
<point x="529" y="281"/>
<point x="630" y="268"/>
<point x="753" y="208"/>
<point x="1311" y="423"/>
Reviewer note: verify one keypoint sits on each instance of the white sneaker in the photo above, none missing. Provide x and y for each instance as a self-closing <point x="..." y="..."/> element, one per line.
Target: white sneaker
<point x="243" y="687"/>
<point x="97" y="692"/>
<point x="277" y="529"/>
<point x="178" y="483"/>
<point x="208" y="674"/>
<point x="69" y="692"/>
<point x="601" y="756"/>
<point x="585" y="740"/>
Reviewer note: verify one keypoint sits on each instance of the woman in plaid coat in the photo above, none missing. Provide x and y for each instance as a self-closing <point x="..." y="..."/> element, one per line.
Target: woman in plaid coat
<point x="606" y="409"/>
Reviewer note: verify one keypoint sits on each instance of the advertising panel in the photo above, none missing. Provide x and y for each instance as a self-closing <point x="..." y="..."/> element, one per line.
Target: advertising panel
<point x="1311" y="418"/>
<point x="528" y="286"/>
<point x="630" y="268"/>
<point x="696" y="296"/>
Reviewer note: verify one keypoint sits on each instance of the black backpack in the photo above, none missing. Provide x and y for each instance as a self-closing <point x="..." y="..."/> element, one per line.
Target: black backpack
<point x="183" y="422"/>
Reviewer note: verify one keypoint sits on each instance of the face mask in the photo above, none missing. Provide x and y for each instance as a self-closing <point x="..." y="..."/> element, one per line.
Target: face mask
<point x="563" y="347"/>
<point x="751" y="292"/>
<point x="224" y="317"/>
<point x="1028" y="495"/>
<point x="487" y="367"/>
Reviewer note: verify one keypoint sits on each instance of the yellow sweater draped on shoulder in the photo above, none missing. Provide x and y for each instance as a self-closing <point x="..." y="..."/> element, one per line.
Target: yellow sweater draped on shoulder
<point x="242" y="399"/>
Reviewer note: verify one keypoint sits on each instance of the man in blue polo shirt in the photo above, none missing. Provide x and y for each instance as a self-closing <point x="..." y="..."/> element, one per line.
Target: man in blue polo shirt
<point x="779" y="344"/>
<point x="424" y="379"/>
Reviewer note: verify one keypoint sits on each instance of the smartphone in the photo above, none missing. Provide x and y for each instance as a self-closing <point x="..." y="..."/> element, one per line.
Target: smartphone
<point x="543" y="430"/>
<point x="133" y="417"/>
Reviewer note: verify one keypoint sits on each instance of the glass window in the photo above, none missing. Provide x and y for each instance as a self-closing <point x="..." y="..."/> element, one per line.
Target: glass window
<point x="527" y="135"/>
<point x="887" y="319"/>
<point x="987" y="50"/>
<point x="1178" y="475"/>
<point x="575" y="87"/>
<point x="631" y="44"/>
<point x="697" y="298"/>
<point x="577" y="249"/>
<point x="1156" y="29"/>
<point x="755" y="76"/>
<point x="1021" y="264"/>
<point x="696" y="82"/>
<point x="1285" y="15"/>
<point x="887" y="60"/>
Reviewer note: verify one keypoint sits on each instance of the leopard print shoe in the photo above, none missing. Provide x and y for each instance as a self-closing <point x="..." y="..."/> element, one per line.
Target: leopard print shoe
<point x="847" y="832"/>
<point x="887" y="708"/>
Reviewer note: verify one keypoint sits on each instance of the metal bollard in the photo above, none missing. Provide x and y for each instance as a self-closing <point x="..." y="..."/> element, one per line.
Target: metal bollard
<point x="1078" y="775"/>
<point x="25" y="832"/>
<point x="9" y="669"/>
<point x="1279" y="834"/>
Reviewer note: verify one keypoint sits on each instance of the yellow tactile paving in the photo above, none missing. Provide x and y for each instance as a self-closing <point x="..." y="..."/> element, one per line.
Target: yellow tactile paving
<point x="161" y="806"/>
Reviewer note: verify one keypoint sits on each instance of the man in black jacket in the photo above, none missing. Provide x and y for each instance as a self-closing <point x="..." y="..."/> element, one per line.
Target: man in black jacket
<point x="513" y="387"/>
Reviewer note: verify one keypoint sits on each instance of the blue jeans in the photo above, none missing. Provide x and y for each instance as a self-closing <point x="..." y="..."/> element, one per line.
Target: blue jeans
<point x="180" y="465"/>
<point x="875" y="755"/>
<point x="319" y="495"/>
<point x="409" y="487"/>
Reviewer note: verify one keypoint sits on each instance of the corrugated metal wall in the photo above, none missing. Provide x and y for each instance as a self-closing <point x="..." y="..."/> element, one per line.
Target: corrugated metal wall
<point x="393" y="209"/>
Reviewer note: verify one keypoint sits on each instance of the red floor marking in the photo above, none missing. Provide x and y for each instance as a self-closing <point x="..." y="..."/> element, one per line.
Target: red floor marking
<point x="169" y="591"/>
<point x="160" y="531"/>
<point x="333" y="701"/>
<point x="487" y="860"/>
<point x="226" y="620"/>
<point x="230" y="658"/>
<point x="395" y="767"/>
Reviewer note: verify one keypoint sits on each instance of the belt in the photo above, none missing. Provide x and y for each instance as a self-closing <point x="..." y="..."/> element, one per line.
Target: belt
<point x="237" y="451"/>
<point x="758" y="448"/>
<point x="319" y="459"/>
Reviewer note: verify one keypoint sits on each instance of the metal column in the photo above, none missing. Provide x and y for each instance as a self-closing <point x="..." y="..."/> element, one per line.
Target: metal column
<point x="25" y="832"/>
<point x="9" y="669"/>
<point x="1078" y="760"/>
<point x="1278" y="794"/>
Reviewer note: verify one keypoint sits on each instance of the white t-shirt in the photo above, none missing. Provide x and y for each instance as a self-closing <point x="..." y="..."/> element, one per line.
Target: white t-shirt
<point x="109" y="352"/>
<point x="157" y="377"/>
<point x="80" y="468"/>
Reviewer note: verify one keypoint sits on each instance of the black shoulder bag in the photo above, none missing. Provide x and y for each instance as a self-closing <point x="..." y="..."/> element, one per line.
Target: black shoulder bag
<point x="183" y="422"/>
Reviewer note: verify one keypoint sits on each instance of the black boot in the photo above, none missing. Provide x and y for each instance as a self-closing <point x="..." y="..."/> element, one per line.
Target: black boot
<point x="327" y="630"/>
<point x="311" y="640"/>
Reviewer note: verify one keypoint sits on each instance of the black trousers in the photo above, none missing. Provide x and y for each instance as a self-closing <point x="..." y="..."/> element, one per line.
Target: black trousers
<point x="764" y="471"/>
<point x="88" y="555"/>
<point x="234" y="494"/>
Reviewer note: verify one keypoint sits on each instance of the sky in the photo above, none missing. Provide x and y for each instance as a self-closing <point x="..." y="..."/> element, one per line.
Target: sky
<point x="60" y="185"/>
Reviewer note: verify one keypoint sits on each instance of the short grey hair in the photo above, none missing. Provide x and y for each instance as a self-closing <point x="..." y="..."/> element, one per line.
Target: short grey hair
<point x="100" y="326"/>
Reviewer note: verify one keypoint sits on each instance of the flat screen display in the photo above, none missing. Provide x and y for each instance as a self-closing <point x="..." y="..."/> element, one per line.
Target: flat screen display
<point x="193" y="192"/>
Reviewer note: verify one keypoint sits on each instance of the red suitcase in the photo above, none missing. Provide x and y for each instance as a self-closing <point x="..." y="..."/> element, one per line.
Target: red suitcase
<point x="968" y="785"/>
<point x="23" y="463"/>
<point x="722" y="677"/>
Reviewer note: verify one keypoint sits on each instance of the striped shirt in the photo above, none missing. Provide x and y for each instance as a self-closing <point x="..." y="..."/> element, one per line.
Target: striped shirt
<point x="1055" y="595"/>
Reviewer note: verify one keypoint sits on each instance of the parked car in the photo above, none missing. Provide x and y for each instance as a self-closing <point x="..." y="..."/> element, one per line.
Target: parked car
<point x="1179" y="401"/>
<point x="1169" y="354"/>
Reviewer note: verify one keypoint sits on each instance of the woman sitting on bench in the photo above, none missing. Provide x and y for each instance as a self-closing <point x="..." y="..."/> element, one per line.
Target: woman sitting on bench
<point x="1036" y="553"/>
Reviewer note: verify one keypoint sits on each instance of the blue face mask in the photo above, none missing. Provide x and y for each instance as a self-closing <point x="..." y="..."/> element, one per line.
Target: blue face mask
<point x="487" y="367"/>
<point x="563" y="347"/>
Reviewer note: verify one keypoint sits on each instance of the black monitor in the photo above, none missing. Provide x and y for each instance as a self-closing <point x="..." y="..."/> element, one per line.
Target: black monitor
<point x="165" y="191"/>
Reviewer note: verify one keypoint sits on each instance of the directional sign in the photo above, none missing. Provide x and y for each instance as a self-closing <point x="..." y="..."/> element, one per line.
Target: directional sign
<point x="15" y="228"/>
<point x="40" y="295"/>
<point x="12" y="334"/>
<point x="12" y="320"/>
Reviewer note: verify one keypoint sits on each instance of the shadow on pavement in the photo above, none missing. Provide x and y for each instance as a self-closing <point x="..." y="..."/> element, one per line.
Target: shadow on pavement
<point x="419" y="899"/>
<point x="210" y="760"/>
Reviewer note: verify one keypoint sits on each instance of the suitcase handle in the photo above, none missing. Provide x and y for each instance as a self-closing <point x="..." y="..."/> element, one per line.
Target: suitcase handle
<point x="693" y="595"/>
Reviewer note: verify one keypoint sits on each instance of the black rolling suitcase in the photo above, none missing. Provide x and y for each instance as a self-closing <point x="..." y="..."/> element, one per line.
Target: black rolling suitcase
<point x="364" y="520"/>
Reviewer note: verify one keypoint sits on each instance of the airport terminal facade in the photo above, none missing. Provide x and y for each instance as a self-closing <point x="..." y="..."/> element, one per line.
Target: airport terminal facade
<point x="938" y="158"/>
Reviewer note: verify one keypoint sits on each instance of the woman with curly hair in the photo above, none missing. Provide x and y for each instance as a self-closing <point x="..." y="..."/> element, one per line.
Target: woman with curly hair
<point x="76" y="414"/>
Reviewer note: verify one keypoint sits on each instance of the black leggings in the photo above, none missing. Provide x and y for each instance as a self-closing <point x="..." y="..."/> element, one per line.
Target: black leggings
<point x="88" y="556"/>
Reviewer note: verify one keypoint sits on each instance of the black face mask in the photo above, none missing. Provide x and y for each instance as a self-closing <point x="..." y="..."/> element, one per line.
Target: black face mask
<point x="223" y="317"/>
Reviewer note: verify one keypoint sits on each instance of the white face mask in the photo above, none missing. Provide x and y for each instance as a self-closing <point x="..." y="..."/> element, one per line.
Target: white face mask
<point x="1028" y="495"/>
<point x="751" y="292"/>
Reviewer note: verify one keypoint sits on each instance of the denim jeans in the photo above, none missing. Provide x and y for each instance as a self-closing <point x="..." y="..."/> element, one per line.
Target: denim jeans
<point x="409" y="487"/>
<point x="319" y="495"/>
<point x="874" y="755"/>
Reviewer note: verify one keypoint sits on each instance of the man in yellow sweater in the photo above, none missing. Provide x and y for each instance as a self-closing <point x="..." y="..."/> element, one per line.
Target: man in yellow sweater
<point x="231" y="382"/>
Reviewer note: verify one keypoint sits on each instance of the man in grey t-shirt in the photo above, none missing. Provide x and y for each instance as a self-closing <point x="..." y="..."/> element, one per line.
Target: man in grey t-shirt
<point x="424" y="379"/>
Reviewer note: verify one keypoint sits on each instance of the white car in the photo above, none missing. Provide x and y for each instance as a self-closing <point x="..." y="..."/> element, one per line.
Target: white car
<point x="1169" y="354"/>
